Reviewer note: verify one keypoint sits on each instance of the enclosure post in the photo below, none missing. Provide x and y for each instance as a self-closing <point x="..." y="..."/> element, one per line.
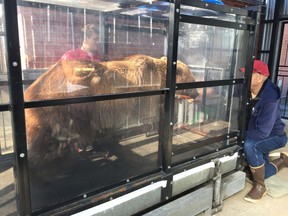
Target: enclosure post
<point x="168" y="124"/>
<point x="245" y="104"/>
<point x="276" y="42"/>
<point x="173" y="29"/>
<point x="17" y="108"/>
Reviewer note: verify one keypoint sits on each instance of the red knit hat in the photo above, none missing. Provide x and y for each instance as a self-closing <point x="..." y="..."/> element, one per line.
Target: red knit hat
<point x="259" y="67"/>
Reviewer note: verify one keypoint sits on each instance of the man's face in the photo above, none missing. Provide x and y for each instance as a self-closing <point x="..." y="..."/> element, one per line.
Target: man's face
<point x="256" y="80"/>
<point x="93" y="43"/>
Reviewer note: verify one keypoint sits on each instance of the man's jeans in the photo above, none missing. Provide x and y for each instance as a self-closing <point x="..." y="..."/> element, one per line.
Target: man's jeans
<point x="257" y="152"/>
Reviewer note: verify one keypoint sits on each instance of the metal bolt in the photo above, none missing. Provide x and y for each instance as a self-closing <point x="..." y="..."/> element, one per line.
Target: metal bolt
<point x="127" y="180"/>
<point x="15" y="64"/>
<point x="174" y="63"/>
<point x="166" y="197"/>
<point x="84" y="195"/>
<point x="171" y="123"/>
<point x="240" y="26"/>
<point x="177" y="10"/>
<point x="22" y="155"/>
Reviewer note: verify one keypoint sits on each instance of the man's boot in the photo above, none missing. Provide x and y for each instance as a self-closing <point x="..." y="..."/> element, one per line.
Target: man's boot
<point x="284" y="157"/>
<point x="278" y="163"/>
<point x="259" y="189"/>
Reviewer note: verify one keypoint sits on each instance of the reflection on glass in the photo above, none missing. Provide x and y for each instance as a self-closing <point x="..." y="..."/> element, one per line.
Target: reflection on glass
<point x="213" y="113"/>
<point x="50" y="34"/>
<point x="70" y="78"/>
<point x="209" y="51"/>
<point x="78" y="148"/>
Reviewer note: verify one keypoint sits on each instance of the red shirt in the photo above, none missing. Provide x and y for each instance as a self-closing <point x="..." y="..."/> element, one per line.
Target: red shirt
<point x="79" y="54"/>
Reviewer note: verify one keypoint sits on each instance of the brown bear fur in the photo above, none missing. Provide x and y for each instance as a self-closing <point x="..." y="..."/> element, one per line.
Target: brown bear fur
<point x="55" y="132"/>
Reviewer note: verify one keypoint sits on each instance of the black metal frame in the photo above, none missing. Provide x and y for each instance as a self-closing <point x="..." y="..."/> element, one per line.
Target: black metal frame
<point x="18" y="105"/>
<point x="274" y="54"/>
<point x="17" y="109"/>
<point x="274" y="51"/>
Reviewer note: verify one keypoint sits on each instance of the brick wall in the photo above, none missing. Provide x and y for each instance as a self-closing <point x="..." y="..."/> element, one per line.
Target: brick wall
<point x="48" y="32"/>
<point x="127" y="38"/>
<point x="284" y="48"/>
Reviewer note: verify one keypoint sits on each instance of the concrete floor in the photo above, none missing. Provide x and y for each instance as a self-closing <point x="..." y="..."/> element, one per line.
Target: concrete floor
<point x="267" y="206"/>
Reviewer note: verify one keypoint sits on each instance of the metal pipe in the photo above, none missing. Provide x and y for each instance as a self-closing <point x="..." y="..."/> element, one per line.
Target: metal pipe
<point x="217" y="195"/>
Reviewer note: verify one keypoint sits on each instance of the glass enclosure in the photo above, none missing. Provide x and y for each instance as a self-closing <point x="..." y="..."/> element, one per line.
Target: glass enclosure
<point x="210" y="54"/>
<point x="95" y="144"/>
<point x="96" y="81"/>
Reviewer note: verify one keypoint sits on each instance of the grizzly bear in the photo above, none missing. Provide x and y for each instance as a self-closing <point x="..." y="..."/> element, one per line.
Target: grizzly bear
<point x="56" y="133"/>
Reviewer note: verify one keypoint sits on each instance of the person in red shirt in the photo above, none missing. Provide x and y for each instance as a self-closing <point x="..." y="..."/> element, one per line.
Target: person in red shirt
<point x="89" y="51"/>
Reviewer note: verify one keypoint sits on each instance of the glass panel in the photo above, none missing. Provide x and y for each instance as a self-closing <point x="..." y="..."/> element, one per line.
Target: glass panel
<point x="209" y="51"/>
<point x="267" y="36"/>
<point x="7" y="185"/>
<point x="212" y="114"/>
<point x="211" y="54"/>
<point x="75" y="149"/>
<point x="270" y="5"/>
<point x="206" y="13"/>
<point x="4" y="94"/>
<point x="61" y="41"/>
<point x="1" y="17"/>
<point x="6" y="140"/>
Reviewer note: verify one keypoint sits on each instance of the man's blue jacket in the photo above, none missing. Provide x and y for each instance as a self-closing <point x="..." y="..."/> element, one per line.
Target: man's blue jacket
<point x="265" y="119"/>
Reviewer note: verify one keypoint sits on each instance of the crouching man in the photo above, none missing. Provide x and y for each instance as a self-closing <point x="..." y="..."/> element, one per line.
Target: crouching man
<point x="265" y="131"/>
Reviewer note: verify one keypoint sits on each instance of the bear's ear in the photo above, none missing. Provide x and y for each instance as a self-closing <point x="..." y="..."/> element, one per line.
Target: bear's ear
<point x="180" y="69"/>
<point x="164" y="58"/>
